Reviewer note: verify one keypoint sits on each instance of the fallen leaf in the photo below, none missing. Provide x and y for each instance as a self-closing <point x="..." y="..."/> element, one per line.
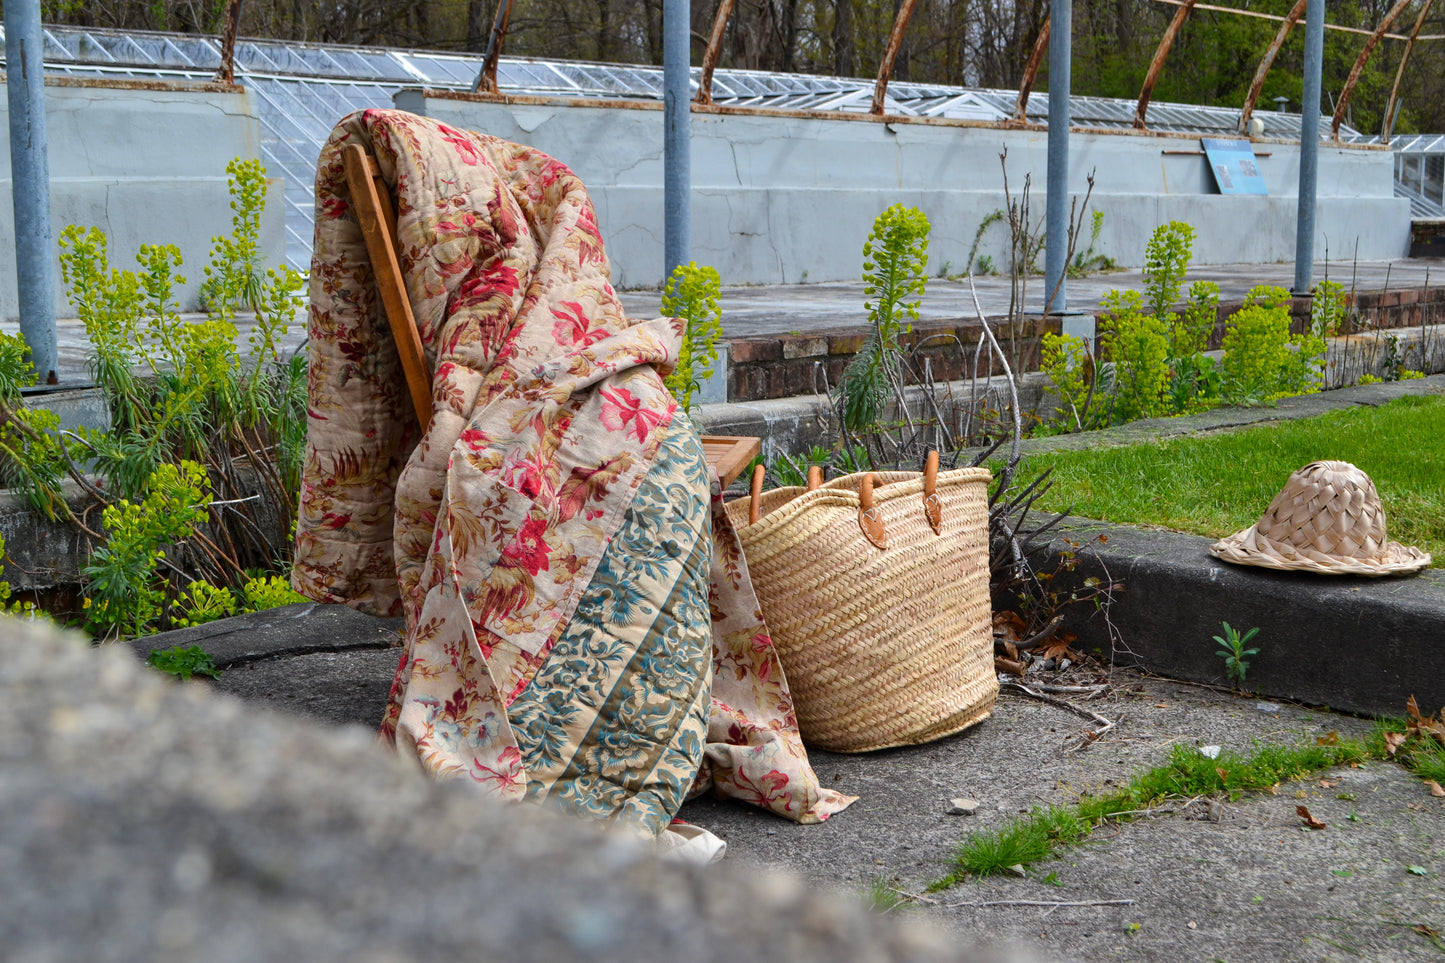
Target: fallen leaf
<point x="1393" y="741"/>
<point x="1310" y="821"/>
<point x="1058" y="647"/>
<point x="1010" y="651"/>
<point x="1161" y="705"/>
<point x="1434" y="787"/>
<point x="1343" y="873"/>
<point x="1005" y="665"/>
<point x="1423" y="725"/>
<point x="1223" y="776"/>
<point x="1327" y="784"/>
<point x="1329" y="739"/>
<point x="1424" y="930"/>
<point x="1103" y="540"/>
<point x="1417" y="870"/>
<point x="1009" y="626"/>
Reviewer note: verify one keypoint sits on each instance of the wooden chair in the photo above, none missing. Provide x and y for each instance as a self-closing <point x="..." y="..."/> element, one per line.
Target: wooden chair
<point x="371" y="199"/>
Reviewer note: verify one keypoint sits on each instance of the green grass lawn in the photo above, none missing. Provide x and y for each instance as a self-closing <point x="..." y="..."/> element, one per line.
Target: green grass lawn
<point x="1218" y="484"/>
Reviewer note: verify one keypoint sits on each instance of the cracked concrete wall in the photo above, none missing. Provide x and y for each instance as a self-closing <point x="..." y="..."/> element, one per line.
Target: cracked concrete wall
<point x="785" y="199"/>
<point x="147" y="166"/>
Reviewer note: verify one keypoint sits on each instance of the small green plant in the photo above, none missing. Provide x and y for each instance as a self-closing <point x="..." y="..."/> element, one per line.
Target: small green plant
<point x="692" y="294"/>
<point x="883" y="896"/>
<point x="1158" y="354"/>
<point x="17" y="607"/>
<point x="124" y="593"/>
<point x="1262" y="360"/>
<point x="234" y="278"/>
<point x="1089" y="259"/>
<point x="1166" y="259"/>
<point x="1079" y="379"/>
<point x="1138" y="344"/>
<point x="184" y="663"/>
<point x="1233" y="651"/>
<point x="261" y="592"/>
<point x="985" y="263"/>
<point x="202" y="602"/>
<point x="895" y="271"/>
<point x="1327" y="309"/>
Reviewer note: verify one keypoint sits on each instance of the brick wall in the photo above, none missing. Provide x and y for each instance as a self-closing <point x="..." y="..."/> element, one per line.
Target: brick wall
<point x="784" y="367"/>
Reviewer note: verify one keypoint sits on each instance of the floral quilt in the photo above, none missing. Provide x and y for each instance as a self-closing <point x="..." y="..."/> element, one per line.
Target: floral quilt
<point x="541" y="661"/>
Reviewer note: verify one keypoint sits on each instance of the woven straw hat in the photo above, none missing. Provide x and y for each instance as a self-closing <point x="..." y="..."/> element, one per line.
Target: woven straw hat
<point x="1328" y="519"/>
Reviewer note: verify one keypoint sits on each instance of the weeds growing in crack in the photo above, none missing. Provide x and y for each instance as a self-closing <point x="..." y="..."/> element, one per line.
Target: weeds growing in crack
<point x="1189" y="774"/>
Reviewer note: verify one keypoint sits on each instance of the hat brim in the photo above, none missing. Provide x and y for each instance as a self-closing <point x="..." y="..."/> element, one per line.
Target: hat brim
<point x="1249" y="547"/>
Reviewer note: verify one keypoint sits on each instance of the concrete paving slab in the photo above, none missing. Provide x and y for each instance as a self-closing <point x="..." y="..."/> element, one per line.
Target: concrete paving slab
<point x="1237" y="880"/>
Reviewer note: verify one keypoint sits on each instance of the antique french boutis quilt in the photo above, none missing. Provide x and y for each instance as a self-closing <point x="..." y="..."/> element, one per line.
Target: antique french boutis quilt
<point x="580" y="628"/>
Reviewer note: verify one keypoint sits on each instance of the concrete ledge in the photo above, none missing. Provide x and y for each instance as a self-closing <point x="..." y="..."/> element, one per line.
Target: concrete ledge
<point x="304" y="628"/>
<point x="1355" y="644"/>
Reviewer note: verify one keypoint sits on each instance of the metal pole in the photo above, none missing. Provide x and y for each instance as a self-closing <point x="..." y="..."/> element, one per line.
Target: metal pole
<point x="676" y="143"/>
<point x="1309" y="147"/>
<point x="1056" y="227"/>
<point x="30" y="182"/>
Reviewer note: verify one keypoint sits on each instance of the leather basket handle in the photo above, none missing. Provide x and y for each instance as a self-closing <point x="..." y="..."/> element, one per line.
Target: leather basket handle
<point x="870" y="518"/>
<point x="932" y="507"/>
<point x="815" y="476"/>
<point x="755" y="509"/>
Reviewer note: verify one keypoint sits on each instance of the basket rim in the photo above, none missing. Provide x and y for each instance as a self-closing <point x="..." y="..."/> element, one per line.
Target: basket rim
<point x="838" y="493"/>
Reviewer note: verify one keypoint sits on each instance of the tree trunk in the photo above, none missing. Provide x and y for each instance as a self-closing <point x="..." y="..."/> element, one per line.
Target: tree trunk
<point x="789" y="34"/>
<point x="477" y="25"/>
<point x="843" y="59"/>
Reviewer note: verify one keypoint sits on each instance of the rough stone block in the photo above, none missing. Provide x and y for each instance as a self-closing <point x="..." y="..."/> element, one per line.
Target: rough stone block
<point x="153" y="820"/>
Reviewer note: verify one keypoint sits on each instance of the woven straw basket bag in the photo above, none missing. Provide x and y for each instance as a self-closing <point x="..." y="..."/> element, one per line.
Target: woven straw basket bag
<point x="875" y="589"/>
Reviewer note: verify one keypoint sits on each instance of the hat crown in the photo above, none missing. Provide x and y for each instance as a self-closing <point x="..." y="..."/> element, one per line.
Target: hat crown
<point x="1330" y="507"/>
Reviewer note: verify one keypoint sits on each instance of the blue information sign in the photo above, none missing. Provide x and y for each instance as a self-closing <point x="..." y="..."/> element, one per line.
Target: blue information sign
<point x="1236" y="169"/>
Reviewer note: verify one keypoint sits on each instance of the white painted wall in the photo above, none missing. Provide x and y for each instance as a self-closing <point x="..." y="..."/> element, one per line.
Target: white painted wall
<point x="146" y="163"/>
<point x="788" y="198"/>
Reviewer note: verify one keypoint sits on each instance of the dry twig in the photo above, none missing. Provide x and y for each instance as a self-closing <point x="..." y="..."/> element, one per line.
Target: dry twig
<point x="1091" y="736"/>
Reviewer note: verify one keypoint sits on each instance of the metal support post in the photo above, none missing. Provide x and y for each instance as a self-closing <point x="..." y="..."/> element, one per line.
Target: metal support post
<point x="30" y="182"/>
<point x="1056" y="226"/>
<point x="676" y="138"/>
<point x="1309" y="147"/>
